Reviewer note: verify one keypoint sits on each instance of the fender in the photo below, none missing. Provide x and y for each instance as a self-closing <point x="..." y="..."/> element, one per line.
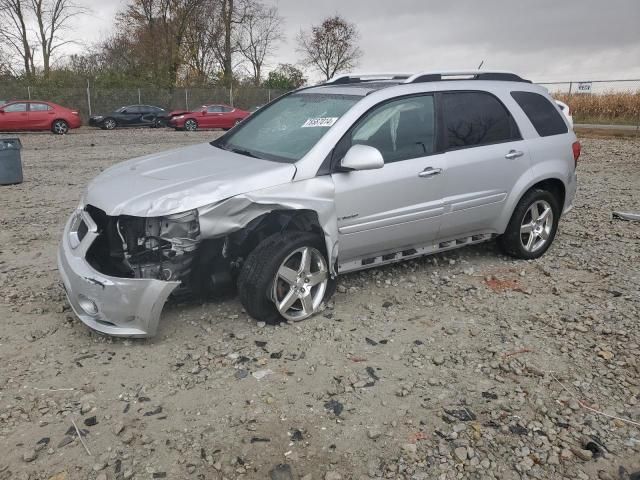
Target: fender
<point x="555" y="169"/>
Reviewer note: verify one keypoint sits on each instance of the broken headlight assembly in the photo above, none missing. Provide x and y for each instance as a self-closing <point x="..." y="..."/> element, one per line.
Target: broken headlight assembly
<point x="159" y="248"/>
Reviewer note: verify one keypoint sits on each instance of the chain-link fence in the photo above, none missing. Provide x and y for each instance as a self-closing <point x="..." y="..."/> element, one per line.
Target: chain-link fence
<point x="591" y="101"/>
<point x="600" y="101"/>
<point x="91" y="100"/>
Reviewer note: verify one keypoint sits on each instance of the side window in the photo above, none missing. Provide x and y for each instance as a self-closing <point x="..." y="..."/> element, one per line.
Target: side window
<point x="227" y="109"/>
<point x="39" y="107"/>
<point x="16" y="107"/>
<point x="134" y="109"/>
<point x="541" y="112"/>
<point x="401" y="129"/>
<point x="214" y="109"/>
<point x="476" y="118"/>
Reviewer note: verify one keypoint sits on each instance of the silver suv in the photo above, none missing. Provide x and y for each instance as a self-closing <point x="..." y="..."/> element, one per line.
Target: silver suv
<point x="361" y="171"/>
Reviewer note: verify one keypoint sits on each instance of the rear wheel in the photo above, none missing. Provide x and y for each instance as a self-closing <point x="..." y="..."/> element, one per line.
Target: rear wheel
<point x="60" y="127"/>
<point x="286" y="277"/>
<point x="533" y="225"/>
<point x="190" y="125"/>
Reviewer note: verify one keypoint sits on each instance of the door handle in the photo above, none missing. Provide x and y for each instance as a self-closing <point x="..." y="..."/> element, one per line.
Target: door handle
<point x="430" y="172"/>
<point x="513" y="154"/>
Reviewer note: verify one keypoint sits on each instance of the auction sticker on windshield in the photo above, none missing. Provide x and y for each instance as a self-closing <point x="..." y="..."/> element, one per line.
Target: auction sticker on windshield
<point x="320" y="122"/>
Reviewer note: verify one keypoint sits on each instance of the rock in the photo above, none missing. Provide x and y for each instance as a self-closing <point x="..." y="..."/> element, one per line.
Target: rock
<point x="127" y="474"/>
<point x="241" y="373"/>
<point x="331" y="475"/>
<point x="308" y="476"/>
<point x="460" y="454"/>
<point x="605" y="354"/>
<point x="118" y="428"/>
<point x="99" y="466"/>
<point x="261" y="324"/>
<point x="281" y="472"/>
<point x="260" y="374"/>
<point x="30" y="455"/>
<point x="582" y="454"/>
<point x="102" y="476"/>
<point x="91" y="421"/>
<point x="373" y="433"/>
<point x="438" y="359"/>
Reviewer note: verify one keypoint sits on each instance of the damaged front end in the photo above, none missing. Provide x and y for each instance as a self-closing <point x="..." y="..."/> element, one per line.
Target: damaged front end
<point x="119" y="271"/>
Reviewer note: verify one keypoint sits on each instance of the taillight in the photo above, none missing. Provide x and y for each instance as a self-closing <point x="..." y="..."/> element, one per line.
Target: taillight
<point x="576" y="151"/>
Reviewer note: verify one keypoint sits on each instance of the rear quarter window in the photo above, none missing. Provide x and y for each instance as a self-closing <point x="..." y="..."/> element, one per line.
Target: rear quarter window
<point x="544" y="116"/>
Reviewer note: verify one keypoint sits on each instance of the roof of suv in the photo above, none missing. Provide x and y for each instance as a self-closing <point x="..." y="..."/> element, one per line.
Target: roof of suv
<point x="365" y="83"/>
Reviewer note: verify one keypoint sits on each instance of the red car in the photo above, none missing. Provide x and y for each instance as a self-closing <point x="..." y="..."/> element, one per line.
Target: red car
<point x="37" y="115"/>
<point x="209" y="116"/>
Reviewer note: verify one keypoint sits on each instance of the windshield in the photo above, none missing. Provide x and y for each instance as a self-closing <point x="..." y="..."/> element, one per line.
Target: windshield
<point x="287" y="129"/>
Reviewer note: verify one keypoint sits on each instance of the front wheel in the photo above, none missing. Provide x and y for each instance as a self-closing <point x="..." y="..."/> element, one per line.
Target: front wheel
<point x="190" y="125"/>
<point x="285" y="277"/>
<point x="109" y="124"/>
<point x="533" y="225"/>
<point x="60" y="127"/>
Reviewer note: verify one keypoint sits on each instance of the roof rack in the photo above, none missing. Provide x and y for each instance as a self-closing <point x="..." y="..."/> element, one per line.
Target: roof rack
<point x="422" y="77"/>
<point x="365" y="77"/>
<point x="465" y="75"/>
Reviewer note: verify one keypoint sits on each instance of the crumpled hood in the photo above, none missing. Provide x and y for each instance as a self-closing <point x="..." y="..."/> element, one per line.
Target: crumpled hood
<point x="178" y="180"/>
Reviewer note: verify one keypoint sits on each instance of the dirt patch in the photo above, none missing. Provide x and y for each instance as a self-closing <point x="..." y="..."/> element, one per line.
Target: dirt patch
<point x="420" y="370"/>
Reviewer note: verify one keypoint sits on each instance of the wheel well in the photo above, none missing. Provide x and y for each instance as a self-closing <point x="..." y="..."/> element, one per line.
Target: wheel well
<point x="555" y="187"/>
<point x="276" y="221"/>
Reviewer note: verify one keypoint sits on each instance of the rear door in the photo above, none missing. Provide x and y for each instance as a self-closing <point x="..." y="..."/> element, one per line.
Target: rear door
<point x="15" y="117"/>
<point x="485" y="156"/>
<point x="400" y="205"/>
<point x="40" y="115"/>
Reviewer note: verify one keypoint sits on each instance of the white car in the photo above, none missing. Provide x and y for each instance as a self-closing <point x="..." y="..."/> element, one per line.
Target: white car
<point x="566" y="110"/>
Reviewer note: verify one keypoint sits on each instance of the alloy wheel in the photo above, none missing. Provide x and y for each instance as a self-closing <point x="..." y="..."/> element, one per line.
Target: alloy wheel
<point x="190" y="125"/>
<point x="60" y="127"/>
<point x="300" y="283"/>
<point x="110" y="124"/>
<point x="536" y="226"/>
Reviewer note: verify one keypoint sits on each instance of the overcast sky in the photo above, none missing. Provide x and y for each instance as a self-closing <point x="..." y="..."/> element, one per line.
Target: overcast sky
<point x="544" y="40"/>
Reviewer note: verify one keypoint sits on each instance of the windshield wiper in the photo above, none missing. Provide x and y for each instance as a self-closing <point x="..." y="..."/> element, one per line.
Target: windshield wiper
<point x="240" y="151"/>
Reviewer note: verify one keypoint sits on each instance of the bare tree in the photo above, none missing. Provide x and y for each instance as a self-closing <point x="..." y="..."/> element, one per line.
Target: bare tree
<point x="259" y="33"/>
<point x="233" y="14"/>
<point x="202" y="38"/>
<point x="330" y="47"/>
<point x="14" y="34"/>
<point x="52" y="18"/>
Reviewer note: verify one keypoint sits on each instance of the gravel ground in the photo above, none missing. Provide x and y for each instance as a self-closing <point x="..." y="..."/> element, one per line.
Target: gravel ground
<point x="464" y="365"/>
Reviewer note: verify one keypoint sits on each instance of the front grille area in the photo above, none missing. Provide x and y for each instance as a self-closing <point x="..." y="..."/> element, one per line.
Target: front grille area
<point x="106" y="254"/>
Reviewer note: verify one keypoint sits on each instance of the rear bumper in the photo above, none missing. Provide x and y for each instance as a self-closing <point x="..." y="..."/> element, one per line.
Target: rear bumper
<point x="124" y="307"/>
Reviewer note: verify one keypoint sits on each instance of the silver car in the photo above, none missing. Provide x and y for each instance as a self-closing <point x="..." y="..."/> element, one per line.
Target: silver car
<point x="361" y="171"/>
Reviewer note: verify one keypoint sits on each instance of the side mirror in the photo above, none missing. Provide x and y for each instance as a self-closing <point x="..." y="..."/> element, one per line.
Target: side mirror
<point x="362" y="157"/>
<point x="1" y="110"/>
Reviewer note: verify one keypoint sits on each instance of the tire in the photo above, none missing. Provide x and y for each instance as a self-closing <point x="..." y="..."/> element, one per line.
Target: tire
<point x="109" y="124"/>
<point x="260" y="281"/>
<point x="191" y="125"/>
<point x="527" y="237"/>
<point x="60" y="127"/>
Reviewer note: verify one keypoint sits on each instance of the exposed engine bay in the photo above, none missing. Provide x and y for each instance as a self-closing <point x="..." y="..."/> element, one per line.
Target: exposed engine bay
<point x="161" y="248"/>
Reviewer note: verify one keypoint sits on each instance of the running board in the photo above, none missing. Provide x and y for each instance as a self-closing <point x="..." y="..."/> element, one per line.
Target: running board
<point x="375" y="261"/>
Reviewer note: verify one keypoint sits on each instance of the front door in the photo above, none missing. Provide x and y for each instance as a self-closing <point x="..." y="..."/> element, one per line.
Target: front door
<point x="213" y="117"/>
<point x="400" y="205"/>
<point x="15" y="117"/>
<point x="485" y="157"/>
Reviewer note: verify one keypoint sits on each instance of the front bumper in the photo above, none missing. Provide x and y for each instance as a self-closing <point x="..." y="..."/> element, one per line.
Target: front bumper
<point x="123" y="307"/>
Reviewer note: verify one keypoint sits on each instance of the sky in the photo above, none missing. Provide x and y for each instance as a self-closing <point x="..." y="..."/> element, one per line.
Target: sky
<point x="543" y="40"/>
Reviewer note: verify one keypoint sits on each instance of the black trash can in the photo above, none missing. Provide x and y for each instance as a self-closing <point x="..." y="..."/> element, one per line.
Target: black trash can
<point x="10" y="161"/>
